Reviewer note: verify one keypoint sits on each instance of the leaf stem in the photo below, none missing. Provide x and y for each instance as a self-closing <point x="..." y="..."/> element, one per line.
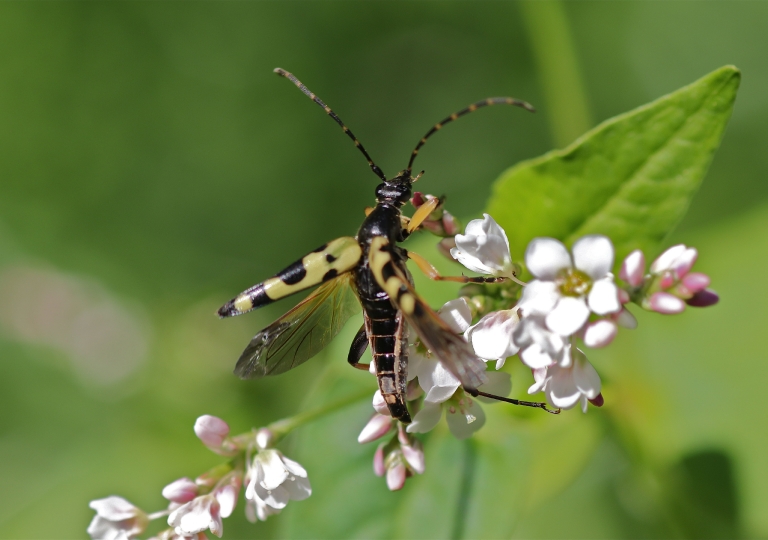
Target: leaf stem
<point x="557" y="64"/>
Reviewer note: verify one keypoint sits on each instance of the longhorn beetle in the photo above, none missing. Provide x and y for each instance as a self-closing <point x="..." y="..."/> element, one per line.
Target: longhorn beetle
<point x="368" y="269"/>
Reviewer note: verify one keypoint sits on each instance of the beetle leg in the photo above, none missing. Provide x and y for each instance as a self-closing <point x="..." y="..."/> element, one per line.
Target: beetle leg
<point x="432" y="273"/>
<point x="359" y="345"/>
<point x="422" y="213"/>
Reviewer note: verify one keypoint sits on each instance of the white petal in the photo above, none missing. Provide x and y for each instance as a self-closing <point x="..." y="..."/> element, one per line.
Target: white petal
<point x="470" y="262"/>
<point x="625" y="319"/>
<point x="414" y="455"/>
<point x="276" y="498"/>
<point x="600" y="333"/>
<point x="665" y="260"/>
<point x="561" y="390"/>
<point x="604" y="297"/>
<point x="540" y="379"/>
<point x="544" y="257"/>
<point x="539" y="297"/>
<point x="457" y="314"/>
<point x="436" y="381"/>
<point x="464" y="423"/>
<point x="426" y="419"/>
<point x="484" y="248"/>
<point x="438" y="394"/>
<point x="593" y="255"/>
<point x="294" y="468"/>
<point x="298" y="488"/>
<point x="499" y="384"/>
<point x="227" y="499"/>
<point x="272" y="467"/>
<point x="491" y="337"/>
<point x="534" y="357"/>
<point x="585" y="377"/>
<point x="569" y="315"/>
<point x="114" y="508"/>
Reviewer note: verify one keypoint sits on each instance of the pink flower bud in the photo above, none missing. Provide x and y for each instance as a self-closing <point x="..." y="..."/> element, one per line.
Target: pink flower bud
<point x="396" y="474"/>
<point x="598" y="400"/>
<point x="379" y="467"/>
<point x="704" y="298"/>
<point x="450" y="224"/>
<point x="667" y="259"/>
<point x="633" y="268"/>
<point x="445" y="246"/>
<point x="414" y="455"/>
<point x="667" y="280"/>
<point x="695" y="282"/>
<point x="624" y="296"/>
<point x="418" y="199"/>
<point x="378" y="426"/>
<point x="264" y="438"/>
<point x="684" y="262"/>
<point x="211" y="430"/>
<point x="625" y="319"/>
<point x="180" y="491"/>
<point x="666" y="303"/>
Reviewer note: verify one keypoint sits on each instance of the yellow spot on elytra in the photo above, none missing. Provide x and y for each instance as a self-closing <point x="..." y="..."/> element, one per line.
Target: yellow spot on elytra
<point x="407" y="303"/>
<point x="243" y="304"/>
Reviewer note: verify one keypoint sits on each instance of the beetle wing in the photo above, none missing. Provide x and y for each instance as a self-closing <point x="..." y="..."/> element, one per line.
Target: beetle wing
<point x="451" y="349"/>
<point x="301" y="333"/>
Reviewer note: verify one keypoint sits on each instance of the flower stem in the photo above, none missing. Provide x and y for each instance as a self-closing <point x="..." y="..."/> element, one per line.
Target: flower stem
<point x="283" y="427"/>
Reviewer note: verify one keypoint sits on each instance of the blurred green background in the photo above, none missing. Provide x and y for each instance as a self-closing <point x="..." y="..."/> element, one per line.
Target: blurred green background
<point x="152" y="166"/>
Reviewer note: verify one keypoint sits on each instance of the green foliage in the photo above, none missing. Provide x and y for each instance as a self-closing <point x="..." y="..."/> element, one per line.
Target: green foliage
<point x="631" y="178"/>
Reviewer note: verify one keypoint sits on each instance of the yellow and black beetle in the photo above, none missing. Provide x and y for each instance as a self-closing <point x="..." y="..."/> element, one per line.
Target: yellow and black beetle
<point x="368" y="269"/>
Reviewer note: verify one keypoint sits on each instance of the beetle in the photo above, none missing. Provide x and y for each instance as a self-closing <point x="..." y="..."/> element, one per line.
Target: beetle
<point x="367" y="270"/>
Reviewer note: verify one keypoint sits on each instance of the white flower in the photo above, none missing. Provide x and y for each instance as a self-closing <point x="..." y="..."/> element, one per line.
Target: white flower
<point x="568" y="289"/>
<point x="437" y="382"/>
<point x="116" y="519"/>
<point x="196" y="516"/>
<point x="564" y="387"/>
<point x="491" y="337"/>
<point x="206" y="511"/>
<point x="484" y="248"/>
<point x="275" y="479"/>
<point x="256" y="509"/>
<point x="463" y="413"/>
<point x="539" y="346"/>
<point x="400" y="458"/>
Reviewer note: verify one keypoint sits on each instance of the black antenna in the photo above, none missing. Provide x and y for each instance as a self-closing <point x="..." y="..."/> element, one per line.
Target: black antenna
<point x="471" y="108"/>
<point x="375" y="168"/>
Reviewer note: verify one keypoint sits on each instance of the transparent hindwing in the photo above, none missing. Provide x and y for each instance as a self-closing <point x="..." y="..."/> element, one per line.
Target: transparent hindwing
<point x="301" y="333"/>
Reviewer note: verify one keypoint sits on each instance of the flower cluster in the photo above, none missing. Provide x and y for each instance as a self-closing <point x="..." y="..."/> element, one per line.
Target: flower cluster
<point x="573" y="296"/>
<point x="199" y="505"/>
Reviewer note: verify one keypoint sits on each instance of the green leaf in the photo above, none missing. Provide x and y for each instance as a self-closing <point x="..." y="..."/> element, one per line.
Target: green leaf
<point x="630" y="178"/>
